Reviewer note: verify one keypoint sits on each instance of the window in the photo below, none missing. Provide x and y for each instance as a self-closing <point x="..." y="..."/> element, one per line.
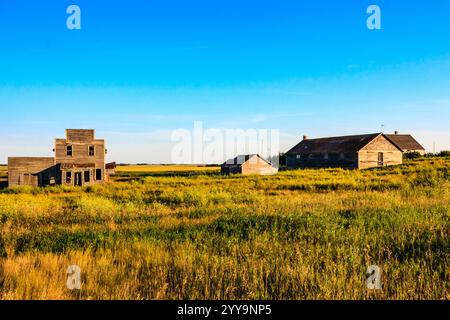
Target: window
<point x="69" y="151"/>
<point x="91" y="151"/>
<point x="87" y="176"/>
<point x="298" y="156"/>
<point x="98" y="174"/>
<point x="380" y="158"/>
<point x="68" y="177"/>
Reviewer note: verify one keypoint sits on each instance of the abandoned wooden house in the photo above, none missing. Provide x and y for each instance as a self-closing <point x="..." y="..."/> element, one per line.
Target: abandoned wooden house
<point x="79" y="160"/>
<point x="110" y="168"/>
<point x="358" y="152"/>
<point x="406" y="142"/>
<point x="247" y="165"/>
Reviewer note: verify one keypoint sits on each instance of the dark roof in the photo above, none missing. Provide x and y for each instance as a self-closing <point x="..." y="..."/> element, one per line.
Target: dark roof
<point x="240" y="159"/>
<point x="111" y="165"/>
<point x="341" y="144"/>
<point x="405" y="141"/>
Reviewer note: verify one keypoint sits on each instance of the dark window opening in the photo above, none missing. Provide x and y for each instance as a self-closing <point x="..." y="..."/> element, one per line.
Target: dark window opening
<point x="69" y="177"/>
<point x="69" y="151"/>
<point x="91" y="151"/>
<point x="87" y="176"/>
<point x="380" y="158"/>
<point x="98" y="174"/>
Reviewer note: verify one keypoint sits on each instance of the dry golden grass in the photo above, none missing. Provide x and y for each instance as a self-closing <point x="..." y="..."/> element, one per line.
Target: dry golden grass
<point x="304" y="234"/>
<point x="165" y="168"/>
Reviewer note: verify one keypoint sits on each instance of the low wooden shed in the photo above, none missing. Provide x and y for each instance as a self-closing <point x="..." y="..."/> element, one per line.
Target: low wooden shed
<point x="247" y="165"/>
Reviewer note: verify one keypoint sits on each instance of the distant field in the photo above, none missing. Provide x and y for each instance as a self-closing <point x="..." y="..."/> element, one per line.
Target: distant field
<point x="3" y="176"/>
<point x="165" y="168"/>
<point x="301" y="234"/>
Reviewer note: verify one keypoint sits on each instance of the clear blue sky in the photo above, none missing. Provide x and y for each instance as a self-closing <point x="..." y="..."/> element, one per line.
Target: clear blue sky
<point x="139" y="69"/>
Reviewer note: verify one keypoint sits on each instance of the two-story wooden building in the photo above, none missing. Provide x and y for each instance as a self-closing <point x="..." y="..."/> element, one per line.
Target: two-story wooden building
<point x="79" y="160"/>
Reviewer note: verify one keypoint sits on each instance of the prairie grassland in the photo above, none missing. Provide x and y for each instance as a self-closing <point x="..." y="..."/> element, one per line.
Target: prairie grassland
<point x="303" y="234"/>
<point x="165" y="168"/>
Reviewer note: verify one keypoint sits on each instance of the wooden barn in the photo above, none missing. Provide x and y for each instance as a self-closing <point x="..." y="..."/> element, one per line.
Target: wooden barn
<point x="79" y="160"/>
<point x="406" y="142"/>
<point x="248" y="165"/>
<point x="355" y="152"/>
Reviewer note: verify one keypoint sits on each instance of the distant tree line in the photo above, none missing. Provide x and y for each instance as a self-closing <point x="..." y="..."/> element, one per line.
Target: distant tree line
<point x="416" y="155"/>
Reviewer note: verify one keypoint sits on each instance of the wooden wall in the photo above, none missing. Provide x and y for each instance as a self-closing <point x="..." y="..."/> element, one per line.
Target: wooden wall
<point x="80" y="140"/>
<point x="254" y="165"/>
<point x="368" y="156"/>
<point x="323" y="160"/>
<point x="31" y="171"/>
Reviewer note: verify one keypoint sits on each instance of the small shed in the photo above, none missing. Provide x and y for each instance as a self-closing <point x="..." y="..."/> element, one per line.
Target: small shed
<point x="247" y="165"/>
<point x="111" y="168"/>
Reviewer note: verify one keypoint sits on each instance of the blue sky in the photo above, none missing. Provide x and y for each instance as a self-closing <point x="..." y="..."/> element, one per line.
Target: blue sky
<point x="139" y="69"/>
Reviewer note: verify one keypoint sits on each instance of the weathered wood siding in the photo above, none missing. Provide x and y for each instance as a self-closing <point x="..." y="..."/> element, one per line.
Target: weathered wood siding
<point x="322" y="160"/>
<point x="230" y="169"/>
<point x="368" y="156"/>
<point x="32" y="171"/>
<point x="256" y="165"/>
<point x="80" y="141"/>
<point x="80" y="135"/>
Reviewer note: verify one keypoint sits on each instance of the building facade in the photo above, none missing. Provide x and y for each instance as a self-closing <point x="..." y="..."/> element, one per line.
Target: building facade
<point x="79" y="161"/>
<point x="353" y="152"/>
<point x="248" y="165"/>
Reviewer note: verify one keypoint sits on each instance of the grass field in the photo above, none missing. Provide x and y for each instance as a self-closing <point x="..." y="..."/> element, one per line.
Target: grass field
<point x="165" y="168"/>
<point x="304" y="234"/>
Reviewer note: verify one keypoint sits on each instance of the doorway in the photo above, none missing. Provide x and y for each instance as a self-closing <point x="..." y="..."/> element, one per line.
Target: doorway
<point x="78" y="181"/>
<point x="380" y="159"/>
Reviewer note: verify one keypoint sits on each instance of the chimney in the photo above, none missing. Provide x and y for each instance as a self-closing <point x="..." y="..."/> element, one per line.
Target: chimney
<point x="305" y="137"/>
<point x="396" y="132"/>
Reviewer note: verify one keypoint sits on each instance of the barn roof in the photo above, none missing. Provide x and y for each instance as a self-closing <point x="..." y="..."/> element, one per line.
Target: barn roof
<point x="341" y="144"/>
<point x="405" y="141"/>
<point x="111" y="165"/>
<point x="241" y="159"/>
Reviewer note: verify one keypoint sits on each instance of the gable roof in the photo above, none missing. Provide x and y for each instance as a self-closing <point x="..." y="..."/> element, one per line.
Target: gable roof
<point x="340" y="144"/>
<point x="405" y="141"/>
<point x="241" y="159"/>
